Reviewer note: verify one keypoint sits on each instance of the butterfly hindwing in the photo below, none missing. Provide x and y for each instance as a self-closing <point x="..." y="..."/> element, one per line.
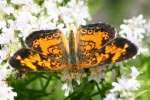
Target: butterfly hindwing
<point x="116" y="50"/>
<point x="29" y="60"/>
<point x="90" y="39"/>
<point x="97" y="45"/>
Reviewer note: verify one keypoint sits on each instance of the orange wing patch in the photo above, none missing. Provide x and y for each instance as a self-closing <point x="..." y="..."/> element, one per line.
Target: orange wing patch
<point x="96" y="37"/>
<point x="47" y="42"/>
<point x="90" y="39"/>
<point x="117" y="50"/>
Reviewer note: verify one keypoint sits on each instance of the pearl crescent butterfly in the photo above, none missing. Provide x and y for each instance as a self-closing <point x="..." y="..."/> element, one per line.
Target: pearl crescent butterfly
<point x="92" y="45"/>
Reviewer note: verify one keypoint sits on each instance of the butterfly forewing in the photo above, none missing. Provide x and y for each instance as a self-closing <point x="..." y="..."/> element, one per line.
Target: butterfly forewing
<point x="90" y="39"/>
<point x="46" y="51"/>
<point x="47" y="42"/>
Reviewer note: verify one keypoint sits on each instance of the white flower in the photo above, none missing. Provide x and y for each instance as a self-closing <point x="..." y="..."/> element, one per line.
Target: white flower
<point x="5" y="71"/>
<point x="134" y="72"/>
<point x="134" y="30"/>
<point x="3" y="54"/>
<point x="111" y="96"/>
<point x="125" y="86"/>
<point x="6" y="92"/>
<point x="67" y="87"/>
<point x="21" y="2"/>
<point x="78" y="16"/>
<point x="133" y="25"/>
<point x="8" y="10"/>
<point x="66" y="15"/>
<point x="4" y="8"/>
<point x="45" y="23"/>
<point x="52" y="9"/>
<point x="74" y="14"/>
<point x="2" y="24"/>
<point x="7" y="35"/>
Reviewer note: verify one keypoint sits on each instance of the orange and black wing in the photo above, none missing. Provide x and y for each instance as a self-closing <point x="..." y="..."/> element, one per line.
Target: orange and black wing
<point x="46" y="52"/>
<point x="93" y="41"/>
<point x="116" y="50"/>
<point x="90" y="39"/>
<point x="47" y="42"/>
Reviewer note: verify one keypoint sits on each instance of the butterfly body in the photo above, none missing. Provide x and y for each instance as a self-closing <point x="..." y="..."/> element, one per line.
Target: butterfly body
<point x="92" y="45"/>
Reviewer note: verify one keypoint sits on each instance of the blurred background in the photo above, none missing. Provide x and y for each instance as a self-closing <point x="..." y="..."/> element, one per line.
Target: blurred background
<point x="114" y="11"/>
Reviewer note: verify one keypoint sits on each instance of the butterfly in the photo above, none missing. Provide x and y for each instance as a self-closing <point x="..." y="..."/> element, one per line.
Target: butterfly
<point x="92" y="45"/>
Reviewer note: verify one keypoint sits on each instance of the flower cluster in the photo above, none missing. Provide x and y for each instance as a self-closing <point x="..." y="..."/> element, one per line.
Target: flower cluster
<point x="135" y="29"/>
<point x="27" y="16"/>
<point x="125" y="88"/>
<point x="6" y="92"/>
